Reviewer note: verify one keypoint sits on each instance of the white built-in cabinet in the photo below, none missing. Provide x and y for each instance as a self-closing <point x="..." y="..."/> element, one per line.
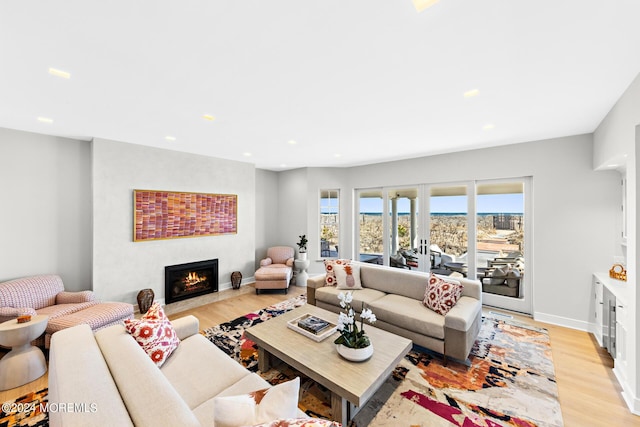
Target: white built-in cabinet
<point x="611" y="320"/>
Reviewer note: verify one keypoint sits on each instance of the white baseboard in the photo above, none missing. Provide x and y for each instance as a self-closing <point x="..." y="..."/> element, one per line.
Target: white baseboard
<point x="562" y="321"/>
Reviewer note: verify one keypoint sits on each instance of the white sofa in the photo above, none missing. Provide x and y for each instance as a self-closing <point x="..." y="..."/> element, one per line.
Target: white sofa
<point x="110" y="380"/>
<point x="395" y="296"/>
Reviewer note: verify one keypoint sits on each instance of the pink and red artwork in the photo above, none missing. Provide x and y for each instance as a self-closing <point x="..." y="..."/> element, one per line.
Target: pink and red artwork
<point x="168" y="215"/>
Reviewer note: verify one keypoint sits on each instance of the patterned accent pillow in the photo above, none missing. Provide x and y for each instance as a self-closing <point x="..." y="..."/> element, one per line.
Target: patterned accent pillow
<point x="260" y="406"/>
<point x="329" y="268"/>
<point x="441" y="295"/>
<point x="347" y="276"/>
<point x="154" y="333"/>
<point x="300" y="422"/>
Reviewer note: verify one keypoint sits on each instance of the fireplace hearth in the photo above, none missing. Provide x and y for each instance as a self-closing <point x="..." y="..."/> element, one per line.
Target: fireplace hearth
<point x="184" y="281"/>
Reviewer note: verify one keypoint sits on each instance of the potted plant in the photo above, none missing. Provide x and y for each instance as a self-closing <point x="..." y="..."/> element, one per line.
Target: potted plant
<point x="302" y="247"/>
<point x="353" y="343"/>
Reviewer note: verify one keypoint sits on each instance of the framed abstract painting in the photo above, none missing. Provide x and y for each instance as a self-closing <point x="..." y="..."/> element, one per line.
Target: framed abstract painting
<point x="170" y="214"/>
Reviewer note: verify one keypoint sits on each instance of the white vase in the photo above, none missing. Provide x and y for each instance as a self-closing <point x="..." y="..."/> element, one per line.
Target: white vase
<point x="302" y="255"/>
<point x="355" y="354"/>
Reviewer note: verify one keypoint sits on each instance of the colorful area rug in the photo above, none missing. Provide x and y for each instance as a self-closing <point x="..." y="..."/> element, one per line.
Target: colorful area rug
<point x="25" y="411"/>
<point x="510" y="383"/>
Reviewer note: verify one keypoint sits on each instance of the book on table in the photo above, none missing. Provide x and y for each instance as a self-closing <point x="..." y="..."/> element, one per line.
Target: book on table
<point x="314" y="324"/>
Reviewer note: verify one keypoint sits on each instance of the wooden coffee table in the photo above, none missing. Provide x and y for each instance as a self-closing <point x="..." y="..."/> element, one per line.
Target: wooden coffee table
<point x="350" y="383"/>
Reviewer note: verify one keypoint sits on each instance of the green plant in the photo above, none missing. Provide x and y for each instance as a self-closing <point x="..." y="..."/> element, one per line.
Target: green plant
<point x="302" y="244"/>
<point x="350" y="335"/>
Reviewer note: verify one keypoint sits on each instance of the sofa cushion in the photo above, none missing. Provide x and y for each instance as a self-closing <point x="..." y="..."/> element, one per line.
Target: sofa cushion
<point x="408" y="283"/>
<point x="409" y="314"/>
<point x="192" y="366"/>
<point x="259" y="406"/>
<point x="329" y="295"/>
<point x="348" y="276"/>
<point x="59" y="310"/>
<point x="149" y="396"/>
<point x="441" y="295"/>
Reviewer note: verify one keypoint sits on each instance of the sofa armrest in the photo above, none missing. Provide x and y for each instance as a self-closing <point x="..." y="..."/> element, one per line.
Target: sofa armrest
<point x="289" y="262"/>
<point x="65" y="297"/>
<point x="265" y="262"/>
<point x="186" y="326"/>
<point x="314" y="283"/>
<point x="463" y="314"/>
<point x="9" y="313"/>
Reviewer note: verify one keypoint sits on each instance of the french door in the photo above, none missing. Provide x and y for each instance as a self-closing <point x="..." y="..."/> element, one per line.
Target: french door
<point x="472" y="228"/>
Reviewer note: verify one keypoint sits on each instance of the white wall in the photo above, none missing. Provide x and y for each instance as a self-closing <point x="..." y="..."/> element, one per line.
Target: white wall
<point x="45" y="212"/>
<point x="574" y="209"/>
<point x="267" y="205"/>
<point x="121" y="267"/>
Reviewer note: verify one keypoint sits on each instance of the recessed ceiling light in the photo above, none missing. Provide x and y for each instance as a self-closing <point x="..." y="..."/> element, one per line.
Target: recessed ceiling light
<point x="283" y="165"/>
<point x="45" y="120"/>
<point x="421" y="5"/>
<point x="170" y="138"/>
<point x="337" y="155"/>
<point x="59" y="73"/>
<point x="292" y="142"/>
<point x="246" y="154"/>
<point x="471" y="93"/>
<point x="208" y="117"/>
<point x="612" y="166"/>
<point x="488" y="126"/>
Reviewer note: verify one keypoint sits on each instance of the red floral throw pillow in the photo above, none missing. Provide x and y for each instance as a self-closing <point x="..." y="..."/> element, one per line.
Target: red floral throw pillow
<point x="441" y="295"/>
<point x="154" y="333"/>
<point x="329" y="268"/>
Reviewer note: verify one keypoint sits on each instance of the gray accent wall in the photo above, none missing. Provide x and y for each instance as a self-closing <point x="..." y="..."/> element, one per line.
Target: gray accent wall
<point x="45" y="207"/>
<point x="121" y="267"/>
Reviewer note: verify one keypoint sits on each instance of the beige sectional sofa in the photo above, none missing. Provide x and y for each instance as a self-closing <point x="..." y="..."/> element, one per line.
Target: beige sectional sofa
<point x="110" y="380"/>
<point x="395" y="297"/>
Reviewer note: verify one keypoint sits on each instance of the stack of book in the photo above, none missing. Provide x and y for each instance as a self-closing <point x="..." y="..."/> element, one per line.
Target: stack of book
<point x="314" y="324"/>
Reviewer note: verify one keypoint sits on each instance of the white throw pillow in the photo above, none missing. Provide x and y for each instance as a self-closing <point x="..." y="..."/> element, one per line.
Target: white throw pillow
<point x="348" y="276"/>
<point x="260" y="406"/>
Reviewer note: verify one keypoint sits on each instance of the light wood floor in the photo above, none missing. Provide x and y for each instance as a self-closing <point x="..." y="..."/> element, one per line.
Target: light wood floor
<point x="589" y="393"/>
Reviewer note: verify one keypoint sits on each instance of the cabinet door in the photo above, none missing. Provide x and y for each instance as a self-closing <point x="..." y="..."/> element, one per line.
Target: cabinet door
<point x="598" y="311"/>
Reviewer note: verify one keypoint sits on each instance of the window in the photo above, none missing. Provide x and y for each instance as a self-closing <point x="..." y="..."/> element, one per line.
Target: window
<point x="329" y="223"/>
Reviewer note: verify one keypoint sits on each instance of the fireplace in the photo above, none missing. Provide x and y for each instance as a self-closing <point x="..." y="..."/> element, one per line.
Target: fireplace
<point x="190" y="280"/>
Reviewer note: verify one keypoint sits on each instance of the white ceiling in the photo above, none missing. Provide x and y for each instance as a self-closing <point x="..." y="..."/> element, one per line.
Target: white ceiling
<point x="351" y="81"/>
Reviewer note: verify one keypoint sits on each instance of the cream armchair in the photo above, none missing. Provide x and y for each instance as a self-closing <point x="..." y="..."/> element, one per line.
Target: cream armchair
<point x="276" y="270"/>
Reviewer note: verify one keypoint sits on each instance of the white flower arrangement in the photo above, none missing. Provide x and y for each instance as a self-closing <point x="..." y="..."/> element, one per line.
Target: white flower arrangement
<point x="350" y="336"/>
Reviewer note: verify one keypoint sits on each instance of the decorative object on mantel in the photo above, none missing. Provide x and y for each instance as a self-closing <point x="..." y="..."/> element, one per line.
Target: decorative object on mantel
<point x="618" y="272"/>
<point x="169" y="215"/>
<point x="145" y="299"/>
<point x="302" y="247"/>
<point x="236" y="279"/>
<point x="353" y="344"/>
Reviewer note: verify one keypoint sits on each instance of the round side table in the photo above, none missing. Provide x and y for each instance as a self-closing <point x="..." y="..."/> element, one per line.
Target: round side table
<point x="302" y="276"/>
<point x="24" y="363"/>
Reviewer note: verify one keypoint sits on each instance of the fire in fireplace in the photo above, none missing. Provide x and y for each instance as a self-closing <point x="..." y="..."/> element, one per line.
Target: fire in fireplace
<point x="190" y="280"/>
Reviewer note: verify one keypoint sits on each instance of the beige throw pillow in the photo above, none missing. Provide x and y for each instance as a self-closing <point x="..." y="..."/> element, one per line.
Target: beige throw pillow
<point x="260" y="406"/>
<point x="348" y="277"/>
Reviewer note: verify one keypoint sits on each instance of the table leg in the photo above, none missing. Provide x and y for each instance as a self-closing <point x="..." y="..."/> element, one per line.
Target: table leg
<point x="339" y="409"/>
<point x="21" y="366"/>
<point x="264" y="359"/>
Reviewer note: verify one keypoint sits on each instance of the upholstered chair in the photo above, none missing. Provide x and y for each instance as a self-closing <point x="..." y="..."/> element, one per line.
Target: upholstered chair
<point x="45" y="294"/>
<point x="276" y="270"/>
